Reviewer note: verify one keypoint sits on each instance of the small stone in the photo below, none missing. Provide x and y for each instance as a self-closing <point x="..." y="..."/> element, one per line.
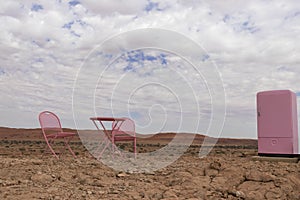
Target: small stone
<point x="101" y="192"/>
<point x="240" y="194"/>
<point x="215" y="165"/>
<point x="120" y="175"/>
<point x="89" y="192"/>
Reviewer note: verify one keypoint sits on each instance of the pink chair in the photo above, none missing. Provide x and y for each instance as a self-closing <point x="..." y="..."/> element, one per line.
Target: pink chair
<point x="51" y="128"/>
<point x="124" y="131"/>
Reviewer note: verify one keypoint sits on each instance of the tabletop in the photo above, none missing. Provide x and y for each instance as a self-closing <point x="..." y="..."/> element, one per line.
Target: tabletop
<point x="107" y="119"/>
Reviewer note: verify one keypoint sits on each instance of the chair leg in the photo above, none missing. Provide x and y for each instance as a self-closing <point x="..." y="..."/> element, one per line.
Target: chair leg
<point x="116" y="150"/>
<point x="98" y="149"/>
<point x="68" y="146"/>
<point x="106" y="146"/>
<point x="51" y="149"/>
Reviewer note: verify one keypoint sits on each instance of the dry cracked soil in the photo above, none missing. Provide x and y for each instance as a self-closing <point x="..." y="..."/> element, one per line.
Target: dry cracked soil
<point x="227" y="172"/>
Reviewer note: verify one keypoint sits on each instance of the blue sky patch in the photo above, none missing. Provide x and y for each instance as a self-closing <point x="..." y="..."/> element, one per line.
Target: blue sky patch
<point x="74" y="3"/>
<point x="150" y="58"/>
<point x="36" y="43"/>
<point x="36" y="7"/>
<point x="293" y="15"/>
<point x="68" y="25"/>
<point x="226" y="18"/>
<point x="247" y="26"/>
<point x="135" y="56"/>
<point x="152" y="6"/>
<point x="2" y="72"/>
<point x="283" y="69"/>
<point x="135" y="115"/>
<point x="205" y="57"/>
<point x="139" y="57"/>
<point x="71" y="23"/>
<point x="163" y="60"/>
<point x="75" y="34"/>
<point x="82" y="23"/>
<point x="136" y="59"/>
<point x="38" y="60"/>
<point x="129" y="68"/>
<point x="240" y="25"/>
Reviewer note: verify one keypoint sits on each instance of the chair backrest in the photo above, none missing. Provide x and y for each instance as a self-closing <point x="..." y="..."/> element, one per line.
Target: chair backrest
<point x="127" y="126"/>
<point x="49" y="121"/>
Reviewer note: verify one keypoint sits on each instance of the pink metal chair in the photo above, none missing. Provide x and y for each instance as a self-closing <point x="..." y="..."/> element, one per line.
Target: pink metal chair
<point x="124" y="131"/>
<point x="51" y="128"/>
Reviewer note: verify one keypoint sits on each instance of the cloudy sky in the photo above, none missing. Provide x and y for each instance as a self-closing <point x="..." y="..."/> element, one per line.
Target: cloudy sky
<point x="97" y="58"/>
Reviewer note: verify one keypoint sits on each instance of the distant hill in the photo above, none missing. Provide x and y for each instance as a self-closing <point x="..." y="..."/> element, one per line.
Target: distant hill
<point x="162" y="138"/>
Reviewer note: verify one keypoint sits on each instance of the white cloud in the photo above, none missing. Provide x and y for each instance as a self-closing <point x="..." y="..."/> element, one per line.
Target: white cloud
<point x="107" y="7"/>
<point x="255" y="45"/>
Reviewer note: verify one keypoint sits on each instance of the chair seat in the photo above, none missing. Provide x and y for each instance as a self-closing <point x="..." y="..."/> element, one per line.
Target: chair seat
<point x="61" y="135"/>
<point x="122" y="136"/>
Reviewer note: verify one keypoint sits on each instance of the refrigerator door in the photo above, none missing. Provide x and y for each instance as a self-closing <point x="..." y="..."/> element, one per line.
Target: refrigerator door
<point x="274" y="114"/>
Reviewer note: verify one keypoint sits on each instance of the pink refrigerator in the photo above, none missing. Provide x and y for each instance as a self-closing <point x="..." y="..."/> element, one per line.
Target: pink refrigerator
<point x="277" y="123"/>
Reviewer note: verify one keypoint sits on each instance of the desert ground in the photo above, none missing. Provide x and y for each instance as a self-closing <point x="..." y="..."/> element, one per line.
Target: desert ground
<point x="228" y="172"/>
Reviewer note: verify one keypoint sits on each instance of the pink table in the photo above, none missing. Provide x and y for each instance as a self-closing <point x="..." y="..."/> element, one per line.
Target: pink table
<point x="108" y="139"/>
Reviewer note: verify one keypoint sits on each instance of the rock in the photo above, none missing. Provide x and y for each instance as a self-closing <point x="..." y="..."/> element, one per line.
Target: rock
<point x="211" y="172"/>
<point x="294" y="178"/>
<point x="257" y="190"/>
<point x="237" y="193"/>
<point x="89" y="192"/>
<point x="133" y="195"/>
<point x="274" y="194"/>
<point x="120" y="175"/>
<point x="254" y="175"/>
<point x="215" y="165"/>
<point x="169" y="194"/>
<point x="249" y="186"/>
<point x="11" y="183"/>
<point x="218" y="183"/>
<point x="240" y="194"/>
<point x="184" y="174"/>
<point x="200" y="182"/>
<point x="101" y="192"/>
<point x="266" y="177"/>
<point x="41" y="178"/>
<point x="233" y="177"/>
<point x="98" y="183"/>
<point x="253" y="195"/>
